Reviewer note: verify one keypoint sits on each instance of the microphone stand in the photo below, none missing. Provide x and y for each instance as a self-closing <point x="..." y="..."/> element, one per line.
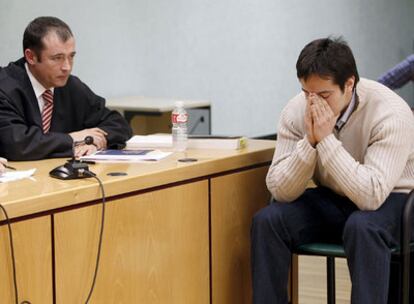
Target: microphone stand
<point x="88" y="140"/>
<point x="75" y="165"/>
<point x="73" y="168"/>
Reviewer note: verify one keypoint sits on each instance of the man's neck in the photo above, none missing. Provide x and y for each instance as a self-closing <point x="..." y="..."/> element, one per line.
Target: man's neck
<point x="34" y="74"/>
<point x="38" y="88"/>
<point x="349" y="98"/>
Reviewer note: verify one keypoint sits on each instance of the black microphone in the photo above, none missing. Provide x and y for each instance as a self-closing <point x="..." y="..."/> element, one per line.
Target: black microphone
<point x="88" y="140"/>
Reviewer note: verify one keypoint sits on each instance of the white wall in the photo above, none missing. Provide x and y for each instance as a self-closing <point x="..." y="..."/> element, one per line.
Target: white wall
<point x="240" y="54"/>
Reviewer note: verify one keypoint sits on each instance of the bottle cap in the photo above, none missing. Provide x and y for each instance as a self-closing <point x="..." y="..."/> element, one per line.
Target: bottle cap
<point x="179" y="103"/>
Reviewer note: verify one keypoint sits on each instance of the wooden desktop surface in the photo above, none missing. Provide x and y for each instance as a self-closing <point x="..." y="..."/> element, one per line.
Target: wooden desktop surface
<point x="41" y="192"/>
<point x="174" y="232"/>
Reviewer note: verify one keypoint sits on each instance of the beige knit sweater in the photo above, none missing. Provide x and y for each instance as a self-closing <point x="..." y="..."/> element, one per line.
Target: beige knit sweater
<point x="371" y="156"/>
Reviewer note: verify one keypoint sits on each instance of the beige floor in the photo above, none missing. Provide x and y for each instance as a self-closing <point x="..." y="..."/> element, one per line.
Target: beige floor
<point x="312" y="281"/>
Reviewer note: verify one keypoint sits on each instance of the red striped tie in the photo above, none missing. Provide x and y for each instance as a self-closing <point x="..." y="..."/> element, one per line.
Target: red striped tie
<point x="47" y="110"/>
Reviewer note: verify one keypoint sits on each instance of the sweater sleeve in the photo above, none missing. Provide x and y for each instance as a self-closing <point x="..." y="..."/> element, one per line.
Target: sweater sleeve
<point x="399" y="75"/>
<point x="293" y="163"/>
<point x="370" y="183"/>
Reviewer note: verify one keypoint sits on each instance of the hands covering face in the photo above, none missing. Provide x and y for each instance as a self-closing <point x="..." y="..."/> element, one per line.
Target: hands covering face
<point x="319" y="119"/>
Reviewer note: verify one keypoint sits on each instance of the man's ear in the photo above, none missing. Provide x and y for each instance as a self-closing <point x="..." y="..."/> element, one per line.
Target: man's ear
<point x="349" y="84"/>
<point x="30" y="56"/>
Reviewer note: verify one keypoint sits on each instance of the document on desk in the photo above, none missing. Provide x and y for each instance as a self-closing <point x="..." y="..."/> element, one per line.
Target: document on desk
<point x="150" y="141"/>
<point x="144" y="155"/>
<point x="10" y="176"/>
<point x="194" y="142"/>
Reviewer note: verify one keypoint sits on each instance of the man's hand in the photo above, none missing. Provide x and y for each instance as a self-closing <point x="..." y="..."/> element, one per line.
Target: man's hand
<point x="99" y="139"/>
<point x="323" y="118"/>
<point x="309" y="124"/>
<point x="3" y="162"/>
<point x="84" y="150"/>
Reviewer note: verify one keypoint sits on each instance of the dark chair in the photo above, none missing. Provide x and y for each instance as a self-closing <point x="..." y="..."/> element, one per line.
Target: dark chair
<point x="400" y="254"/>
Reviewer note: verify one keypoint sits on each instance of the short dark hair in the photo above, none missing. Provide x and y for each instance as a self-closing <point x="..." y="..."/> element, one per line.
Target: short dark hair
<point x="39" y="28"/>
<point x="328" y="57"/>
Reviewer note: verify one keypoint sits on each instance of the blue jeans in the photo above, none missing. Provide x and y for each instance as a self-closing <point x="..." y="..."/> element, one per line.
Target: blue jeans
<point x="320" y="215"/>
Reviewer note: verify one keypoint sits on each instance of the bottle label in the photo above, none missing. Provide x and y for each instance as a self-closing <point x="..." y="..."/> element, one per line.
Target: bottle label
<point x="179" y="118"/>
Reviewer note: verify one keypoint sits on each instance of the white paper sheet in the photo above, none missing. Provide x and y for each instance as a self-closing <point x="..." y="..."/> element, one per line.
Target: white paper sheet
<point x="9" y="176"/>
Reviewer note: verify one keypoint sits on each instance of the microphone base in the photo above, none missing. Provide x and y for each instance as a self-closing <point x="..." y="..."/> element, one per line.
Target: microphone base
<point x="72" y="169"/>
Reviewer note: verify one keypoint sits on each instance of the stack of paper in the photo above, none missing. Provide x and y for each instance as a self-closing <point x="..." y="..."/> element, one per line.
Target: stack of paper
<point x="149" y="141"/>
<point x="194" y="142"/>
<point x="217" y="142"/>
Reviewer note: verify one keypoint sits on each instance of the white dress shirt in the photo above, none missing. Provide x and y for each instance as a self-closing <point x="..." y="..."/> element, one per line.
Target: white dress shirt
<point x="38" y="88"/>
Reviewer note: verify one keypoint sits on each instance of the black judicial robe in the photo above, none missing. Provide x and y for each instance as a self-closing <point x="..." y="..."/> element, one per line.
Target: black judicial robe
<point x="75" y="108"/>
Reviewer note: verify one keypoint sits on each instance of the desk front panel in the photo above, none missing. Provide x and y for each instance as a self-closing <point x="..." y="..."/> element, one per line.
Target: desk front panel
<point x="33" y="253"/>
<point x="160" y="235"/>
<point x="235" y="198"/>
<point x="155" y="249"/>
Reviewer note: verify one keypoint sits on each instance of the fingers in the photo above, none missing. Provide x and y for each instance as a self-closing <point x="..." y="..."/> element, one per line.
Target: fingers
<point x="84" y="150"/>
<point x="3" y="161"/>
<point x="98" y="135"/>
<point x="324" y="105"/>
<point x="321" y="110"/>
<point x="308" y="118"/>
<point x="95" y="132"/>
<point x="100" y="141"/>
<point x="77" y="136"/>
<point x="98" y="130"/>
<point x="309" y="123"/>
<point x="323" y="118"/>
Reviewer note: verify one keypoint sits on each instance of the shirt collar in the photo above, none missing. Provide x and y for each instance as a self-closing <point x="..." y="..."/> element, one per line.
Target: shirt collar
<point x="38" y="88"/>
<point x="344" y="117"/>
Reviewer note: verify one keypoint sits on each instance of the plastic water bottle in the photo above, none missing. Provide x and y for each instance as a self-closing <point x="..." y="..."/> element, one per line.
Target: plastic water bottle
<point x="179" y="118"/>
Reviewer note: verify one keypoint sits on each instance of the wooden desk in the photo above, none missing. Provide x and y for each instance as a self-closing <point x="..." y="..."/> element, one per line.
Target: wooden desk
<point x="174" y="232"/>
<point x="148" y="115"/>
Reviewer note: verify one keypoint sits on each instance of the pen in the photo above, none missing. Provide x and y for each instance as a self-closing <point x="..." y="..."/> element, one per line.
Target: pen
<point x="89" y="162"/>
<point x="9" y="167"/>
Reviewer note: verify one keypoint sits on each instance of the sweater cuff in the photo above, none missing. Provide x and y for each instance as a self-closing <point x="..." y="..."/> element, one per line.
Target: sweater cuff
<point x="307" y="152"/>
<point x="327" y="147"/>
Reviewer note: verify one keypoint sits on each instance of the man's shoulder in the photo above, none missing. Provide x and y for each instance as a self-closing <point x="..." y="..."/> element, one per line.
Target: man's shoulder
<point x="370" y="91"/>
<point x="13" y="76"/>
<point x="74" y="83"/>
<point x="76" y="87"/>
<point x="381" y="103"/>
<point x="14" y="68"/>
<point x="298" y="99"/>
<point x="294" y="111"/>
<point x="296" y="105"/>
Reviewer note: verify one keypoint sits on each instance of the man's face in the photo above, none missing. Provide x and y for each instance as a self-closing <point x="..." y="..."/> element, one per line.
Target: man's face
<point x="326" y="89"/>
<point x="55" y="64"/>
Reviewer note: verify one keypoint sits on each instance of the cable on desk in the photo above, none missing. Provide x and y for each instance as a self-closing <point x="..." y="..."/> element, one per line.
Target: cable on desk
<point x="98" y="255"/>
<point x="16" y="292"/>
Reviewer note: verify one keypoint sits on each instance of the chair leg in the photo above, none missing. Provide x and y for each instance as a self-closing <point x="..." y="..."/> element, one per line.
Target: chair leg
<point x="330" y="279"/>
<point x="404" y="286"/>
